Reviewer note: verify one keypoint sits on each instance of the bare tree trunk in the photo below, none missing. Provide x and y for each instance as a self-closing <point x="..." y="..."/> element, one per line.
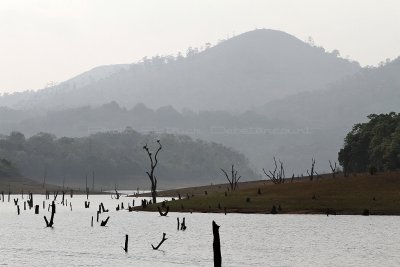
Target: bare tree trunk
<point x="53" y="210"/>
<point x="150" y="174"/>
<point x="162" y="241"/>
<point x="104" y="223"/>
<point x="126" y="244"/>
<point x="216" y="245"/>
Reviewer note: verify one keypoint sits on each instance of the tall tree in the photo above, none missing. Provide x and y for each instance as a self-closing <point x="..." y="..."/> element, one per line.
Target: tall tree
<point x="153" y="165"/>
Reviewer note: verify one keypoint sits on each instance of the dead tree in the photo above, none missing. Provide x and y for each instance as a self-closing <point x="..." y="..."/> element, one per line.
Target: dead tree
<point x="55" y="195"/>
<point x="101" y="208"/>
<point x="216" y="245"/>
<point x="276" y="177"/>
<point x="87" y="204"/>
<point x="233" y="181"/>
<point x="63" y="197"/>
<point x="333" y="169"/>
<point x="183" y="224"/>
<point x="117" y="195"/>
<point x="163" y="213"/>
<point x="312" y="172"/>
<point x="153" y="165"/>
<point x="104" y="223"/>
<point x="162" y="241"/>
<point x="126" y="244"/>
<point x="30" y="201"/>
<point x="53" y="210"/>
<point x="16" y="201"/>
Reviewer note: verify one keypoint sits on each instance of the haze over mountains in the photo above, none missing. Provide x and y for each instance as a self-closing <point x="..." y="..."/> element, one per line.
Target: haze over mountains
<point x="264" y="93"/>
<point x="240" y="73"/>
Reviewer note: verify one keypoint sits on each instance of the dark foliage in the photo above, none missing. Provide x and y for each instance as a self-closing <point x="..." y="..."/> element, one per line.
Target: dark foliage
<point x="116" y="157"/>
<point x="372" y="146"/>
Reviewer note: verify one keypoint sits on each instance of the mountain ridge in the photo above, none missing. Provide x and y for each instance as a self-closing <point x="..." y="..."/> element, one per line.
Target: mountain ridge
<point x="240" y="73"/>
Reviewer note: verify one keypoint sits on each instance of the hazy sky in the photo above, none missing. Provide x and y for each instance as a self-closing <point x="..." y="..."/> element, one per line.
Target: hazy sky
<point x="50" y="40"/>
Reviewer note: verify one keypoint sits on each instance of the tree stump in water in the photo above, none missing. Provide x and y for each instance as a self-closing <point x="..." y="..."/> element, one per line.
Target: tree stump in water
<point x="126" y="244"/>
<point x="162" y="241"/>
<point x="104" y="223"/>
<point x="36" y="209"/>
<point x="16" y="201"/>
<point x="53" y="210"/>
<point x="102" y="207"/>
<point x="216" y="245"/>
<point x="63" y="197"/>
<point x="183" y="224"/>
<point x="163" y="213"/>
<point x="18" y="209"/>
<point x="30" y="201"/>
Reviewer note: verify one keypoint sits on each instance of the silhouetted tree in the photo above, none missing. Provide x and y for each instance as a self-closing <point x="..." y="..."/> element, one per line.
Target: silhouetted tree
<point x="333" y="169"/>
<point x="312" y="171"/>
<point x="276" y="178"/>
<point x="153" y="165"/>
<point x="233" y="181"/>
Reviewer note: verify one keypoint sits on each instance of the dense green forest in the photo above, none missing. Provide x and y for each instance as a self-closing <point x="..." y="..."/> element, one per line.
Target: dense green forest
<point x="119" y="158"/>
<point x="374" y="145"/>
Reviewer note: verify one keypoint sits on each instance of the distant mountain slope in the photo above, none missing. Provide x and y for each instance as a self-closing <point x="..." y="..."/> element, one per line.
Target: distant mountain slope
<point x="373" y="90"/>
<point x="243" y="72"/>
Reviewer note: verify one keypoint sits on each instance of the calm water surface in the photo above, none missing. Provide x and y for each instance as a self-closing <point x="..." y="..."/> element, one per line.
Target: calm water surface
<point x="246" y="240"/>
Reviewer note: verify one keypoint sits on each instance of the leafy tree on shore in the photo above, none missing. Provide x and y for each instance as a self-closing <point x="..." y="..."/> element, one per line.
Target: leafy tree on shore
<point x="374" y="145"/>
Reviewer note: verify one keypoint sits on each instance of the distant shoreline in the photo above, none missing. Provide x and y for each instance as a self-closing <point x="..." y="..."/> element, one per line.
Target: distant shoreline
<point x="353" y="195"/>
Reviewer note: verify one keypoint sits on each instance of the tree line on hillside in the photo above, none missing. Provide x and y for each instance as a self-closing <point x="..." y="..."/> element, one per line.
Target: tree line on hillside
<point x="118" y="158"/>
<point x="372" y="146"/>
<point x="7" y="168"/>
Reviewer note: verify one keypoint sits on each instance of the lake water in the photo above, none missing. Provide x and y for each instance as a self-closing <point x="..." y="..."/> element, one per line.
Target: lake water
<point x="246" y="240"/>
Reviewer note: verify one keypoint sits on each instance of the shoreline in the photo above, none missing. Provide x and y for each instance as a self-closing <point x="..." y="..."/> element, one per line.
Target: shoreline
<point x="377" y="194"/>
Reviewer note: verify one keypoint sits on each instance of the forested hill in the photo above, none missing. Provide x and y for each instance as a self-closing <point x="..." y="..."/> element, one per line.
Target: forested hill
<point x="242" y="72"/>
<point x="7" y="168"/>
<point x="118" y="158"/>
